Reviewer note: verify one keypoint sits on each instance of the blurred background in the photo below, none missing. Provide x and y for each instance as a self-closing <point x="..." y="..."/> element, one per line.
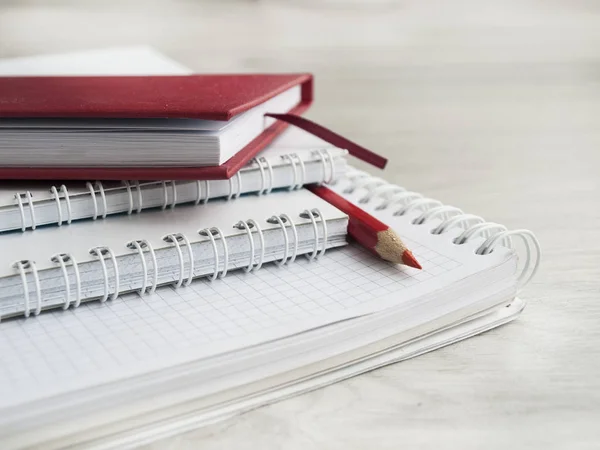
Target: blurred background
<point x="491" y="105"/>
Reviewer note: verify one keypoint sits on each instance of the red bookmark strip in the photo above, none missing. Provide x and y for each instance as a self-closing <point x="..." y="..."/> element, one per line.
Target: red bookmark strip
<point x="333" y="138"/>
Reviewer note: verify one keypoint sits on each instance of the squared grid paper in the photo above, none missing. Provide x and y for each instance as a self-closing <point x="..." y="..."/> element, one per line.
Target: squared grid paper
<point x="56" y="350"/>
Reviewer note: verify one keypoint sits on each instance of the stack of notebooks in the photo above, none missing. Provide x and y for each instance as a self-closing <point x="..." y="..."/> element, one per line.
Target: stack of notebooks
<point x="134" y="310"/>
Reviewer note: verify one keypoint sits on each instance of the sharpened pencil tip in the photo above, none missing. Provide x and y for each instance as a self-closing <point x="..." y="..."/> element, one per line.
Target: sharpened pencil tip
<point x="409" y="259"/>
<point x="390" y="247"/>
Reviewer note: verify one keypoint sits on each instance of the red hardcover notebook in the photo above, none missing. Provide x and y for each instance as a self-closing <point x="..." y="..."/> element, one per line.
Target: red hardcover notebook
<point x="206" y="97"/>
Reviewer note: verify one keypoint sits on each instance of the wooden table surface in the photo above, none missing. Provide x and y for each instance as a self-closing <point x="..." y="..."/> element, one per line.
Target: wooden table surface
<point x="490" y="106"/>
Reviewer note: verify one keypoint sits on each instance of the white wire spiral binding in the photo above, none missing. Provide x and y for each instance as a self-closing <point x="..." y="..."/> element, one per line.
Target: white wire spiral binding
<point x="129" y="195"/>
<point x="283" y="220"/>
<point x="176" y="239"/>
<point x="92" y="189"/>
<point x="399" y="197"/>
<point x="441" y="211"/>
<point x="248" y="226"/>
<point x="61" y="259"/>
<point x="140" y="198"/>
<point x="236" y="194"/>
<point x="264" y="189"/>
<point x="166" y="194"/>
<point x="211" y="233"/>
<point x="302" y="180"/>
<point x="199" y="192"/>
<point x="262" y="175"/>
<point x="294" y="185"/>
<point x="382" y="190"/>
<point x="286" y="239"/>
<point x="526" y="236"/>
<point x="416" y="204"/>
<point x="326" y="159"/>
<point x="473" y="226"/>
<point x="100" y="252"/>
<point x="65" y="192"/>
<point x="93" y="194"/>
<point x="28" y="196"/>
<point x="313" y="214"/>
<point x="100" y="187"/>
<point x="22" y="266"/>
<point x="261" y="238"/>
<point x="295" y="161"/>
<point x="286" y="219"/>
<point x="463" y="220"/>
<point x="241" y="225"/>
<point x="140" y="246"/>
<point x="54" y="193"/>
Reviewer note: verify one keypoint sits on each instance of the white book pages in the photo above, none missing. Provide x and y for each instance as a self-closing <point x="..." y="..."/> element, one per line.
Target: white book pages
<point x="114" y="143"/>
<point x="165" y="144"/>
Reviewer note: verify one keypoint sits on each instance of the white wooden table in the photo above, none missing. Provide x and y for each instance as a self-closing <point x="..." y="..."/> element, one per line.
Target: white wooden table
<point x="490" y="106"/>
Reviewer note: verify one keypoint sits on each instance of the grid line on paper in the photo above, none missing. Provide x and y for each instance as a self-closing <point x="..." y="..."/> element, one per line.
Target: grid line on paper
<point x="61" y="348"/>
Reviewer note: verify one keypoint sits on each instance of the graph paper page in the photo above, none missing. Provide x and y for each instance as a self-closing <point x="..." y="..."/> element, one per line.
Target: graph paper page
<point x="61" y="351"/>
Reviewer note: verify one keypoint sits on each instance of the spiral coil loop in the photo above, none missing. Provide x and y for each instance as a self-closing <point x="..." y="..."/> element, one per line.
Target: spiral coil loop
<point x="287" y="220"/>
<point x="294" y="185"/>
<point x="252" y="224"/>
<point x="462" y="220"/>
<point x="61" y="259"/>
<point x="452" y="218"/>
<point x="403" y="198"/>
<point x="211" y="233"/>
<point x="261" y="169"/>
<point x="264" y="188"/>
<point x="176" y="239"/>
<point x="100" y="253"/>
<point x="440" y="211"/>
<point x="199" y="198"/>
<point x="140" y="199"/>
<point x="528" y="239"/>
<point x="56" y="197"/>
<point x="166" y="194"/>
<point x="286" y="239"/>
<point x="242" y="225"/>
<point x="127" y="185"/>
<point x="327" y="163"/>
<point x="22" y="266"/>
<point x="92" y="189"/>
<point x="283" y="220"/>
<point x="313" y="215"/>
<point x="237" y="193"/>
<point x="29" y="197"/>
<point x="141" y="245"/>
<point x="101" y="196"/>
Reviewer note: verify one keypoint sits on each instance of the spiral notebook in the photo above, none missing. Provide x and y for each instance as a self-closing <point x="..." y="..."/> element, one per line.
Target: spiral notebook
<point x="65" y="266"/>
<point x="28" y="206"/>
<point x="206" y="347"/>
<point x="122" y="372"/>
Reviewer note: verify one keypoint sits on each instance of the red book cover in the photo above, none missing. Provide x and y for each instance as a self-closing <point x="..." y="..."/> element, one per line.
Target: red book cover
<point x="206" y="97"/>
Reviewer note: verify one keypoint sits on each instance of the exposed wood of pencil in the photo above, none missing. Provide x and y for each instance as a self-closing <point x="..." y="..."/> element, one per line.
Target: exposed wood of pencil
<point x="368" y="231"/>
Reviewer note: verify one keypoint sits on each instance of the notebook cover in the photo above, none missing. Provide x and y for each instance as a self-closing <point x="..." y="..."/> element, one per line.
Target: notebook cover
<point x="215" y="97"/>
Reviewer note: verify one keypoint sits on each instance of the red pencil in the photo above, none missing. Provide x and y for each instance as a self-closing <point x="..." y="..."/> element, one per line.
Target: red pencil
<point x="371" y="233"/>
